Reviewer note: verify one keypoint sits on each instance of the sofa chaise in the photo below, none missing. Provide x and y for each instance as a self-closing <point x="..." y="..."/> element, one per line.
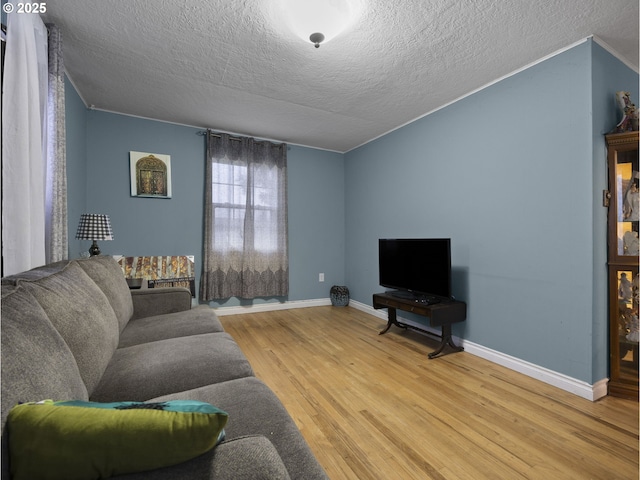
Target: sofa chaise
<point x="73" y="330"/>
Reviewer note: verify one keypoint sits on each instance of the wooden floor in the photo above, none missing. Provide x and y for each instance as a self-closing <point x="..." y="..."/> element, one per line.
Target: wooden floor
<point x="374" y="407"/>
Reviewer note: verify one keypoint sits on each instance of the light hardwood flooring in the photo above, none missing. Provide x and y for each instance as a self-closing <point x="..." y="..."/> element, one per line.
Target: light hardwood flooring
<point x="375" y="407"/>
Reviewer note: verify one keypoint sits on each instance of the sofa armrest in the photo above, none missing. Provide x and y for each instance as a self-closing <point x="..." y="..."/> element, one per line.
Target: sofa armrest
<point x="158" y="301"/>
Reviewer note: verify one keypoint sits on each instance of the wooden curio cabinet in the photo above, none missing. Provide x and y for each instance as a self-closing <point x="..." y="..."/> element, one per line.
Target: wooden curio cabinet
<point x="624" y="330"/>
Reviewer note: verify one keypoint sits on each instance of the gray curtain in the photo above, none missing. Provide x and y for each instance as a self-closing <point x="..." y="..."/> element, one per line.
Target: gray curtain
<point x="56" y="239"/>
<point x="245" y="224"/>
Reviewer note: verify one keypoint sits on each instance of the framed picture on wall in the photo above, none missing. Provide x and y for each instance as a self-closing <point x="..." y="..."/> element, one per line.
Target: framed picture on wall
<point x="150" y="174"/>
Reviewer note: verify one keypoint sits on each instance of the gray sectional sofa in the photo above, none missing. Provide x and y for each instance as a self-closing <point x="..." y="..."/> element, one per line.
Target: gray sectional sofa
<point x="73" y="330"/>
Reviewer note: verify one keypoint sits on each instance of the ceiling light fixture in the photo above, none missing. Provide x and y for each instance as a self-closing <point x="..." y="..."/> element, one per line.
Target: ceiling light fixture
<point x="320" y="21"/>
<point x="316" y="38"/>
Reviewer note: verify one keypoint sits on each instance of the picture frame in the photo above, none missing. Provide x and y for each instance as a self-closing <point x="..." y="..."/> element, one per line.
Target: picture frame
<point x="150" y="174"/>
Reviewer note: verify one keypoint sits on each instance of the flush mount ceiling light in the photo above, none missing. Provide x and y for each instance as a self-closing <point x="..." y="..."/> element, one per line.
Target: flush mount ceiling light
<point x="319" y="21"/>
<point x="316" y="38"/>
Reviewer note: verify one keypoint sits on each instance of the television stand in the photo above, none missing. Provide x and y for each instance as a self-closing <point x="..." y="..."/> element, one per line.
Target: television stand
<point x="415" y="297"/>
<point x="442" y="314"/>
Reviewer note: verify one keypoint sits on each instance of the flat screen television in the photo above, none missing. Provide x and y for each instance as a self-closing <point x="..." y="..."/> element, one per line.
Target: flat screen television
<point x="416" y="268"/>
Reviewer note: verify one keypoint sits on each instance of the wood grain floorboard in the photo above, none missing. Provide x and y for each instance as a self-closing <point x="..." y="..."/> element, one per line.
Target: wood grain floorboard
<point x="375" y="407"/>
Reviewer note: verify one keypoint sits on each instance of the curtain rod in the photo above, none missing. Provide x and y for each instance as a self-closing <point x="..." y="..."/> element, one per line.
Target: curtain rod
<point x="217" y="135"/>
<point x="202" y="133"/>
<point x="4" y="30"/>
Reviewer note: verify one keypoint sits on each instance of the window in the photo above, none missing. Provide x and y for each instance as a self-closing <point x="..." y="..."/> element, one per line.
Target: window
<point x="245" y="219"/>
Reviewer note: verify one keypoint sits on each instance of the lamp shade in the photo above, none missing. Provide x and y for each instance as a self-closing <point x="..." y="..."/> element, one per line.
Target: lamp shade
<point x="94" y="226"/>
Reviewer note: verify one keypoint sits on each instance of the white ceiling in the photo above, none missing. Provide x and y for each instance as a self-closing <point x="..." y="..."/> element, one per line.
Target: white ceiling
<point x="231" y="65"/>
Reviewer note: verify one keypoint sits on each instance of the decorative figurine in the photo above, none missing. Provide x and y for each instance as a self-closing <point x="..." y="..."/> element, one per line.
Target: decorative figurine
<point x="629" y="120"/>
<point x="625" y="290"/>
<point x="630" y="206"/>
<point x="630" y="243"/>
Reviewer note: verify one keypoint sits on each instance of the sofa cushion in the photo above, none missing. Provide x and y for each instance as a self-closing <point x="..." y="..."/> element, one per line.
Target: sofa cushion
<point x="78" y="439"/>
<point x="35" y="273"/>
<point x="255" y="410"/>
<point x="157" y="368"/>
<point x="252" y="457"/>
<point x="36" y="361"/>
<point x="248" y="457"/>
<point x="107" y="274"/>
<point x="82" y="314"/>
<point x="171" y="325"/>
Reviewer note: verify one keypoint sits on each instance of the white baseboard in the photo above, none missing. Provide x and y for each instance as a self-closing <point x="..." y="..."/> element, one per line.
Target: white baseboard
<point x="271" y="306"/>
<point x="551" y="377"/>
<point x="564" y="382"/>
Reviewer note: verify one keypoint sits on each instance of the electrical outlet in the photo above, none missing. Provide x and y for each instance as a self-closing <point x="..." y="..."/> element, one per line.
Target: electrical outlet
<point x="321" y="277"/>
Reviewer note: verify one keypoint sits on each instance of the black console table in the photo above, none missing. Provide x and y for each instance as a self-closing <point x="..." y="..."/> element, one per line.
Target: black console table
<point x="441" y="314"/>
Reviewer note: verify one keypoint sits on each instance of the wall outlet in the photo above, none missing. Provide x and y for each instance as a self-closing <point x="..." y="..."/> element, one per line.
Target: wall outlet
<point x="321" y="277"/>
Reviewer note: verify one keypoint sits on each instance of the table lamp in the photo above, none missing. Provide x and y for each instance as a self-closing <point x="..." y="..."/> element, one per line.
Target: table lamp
<point x="94" y="226"/>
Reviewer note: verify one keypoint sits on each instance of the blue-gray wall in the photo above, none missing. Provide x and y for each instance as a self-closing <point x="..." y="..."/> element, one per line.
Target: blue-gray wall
<point x="508" y="174"/>
<point x="608" y="76"/>
<point x="513" y="174"/>
<point x="147" y="226"/>
<point x="316" y="222"/>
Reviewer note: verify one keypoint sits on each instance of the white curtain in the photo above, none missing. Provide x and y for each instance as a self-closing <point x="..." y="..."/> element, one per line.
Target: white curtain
<point x="245" y="224"/>
<point x="34" y="177"/>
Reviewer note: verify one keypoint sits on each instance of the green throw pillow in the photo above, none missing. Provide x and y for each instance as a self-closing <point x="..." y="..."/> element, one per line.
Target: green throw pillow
<point x="87" y="440"/>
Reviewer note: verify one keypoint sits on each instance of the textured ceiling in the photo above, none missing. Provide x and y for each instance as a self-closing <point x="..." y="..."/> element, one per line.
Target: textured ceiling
<point x="232" y="65"/>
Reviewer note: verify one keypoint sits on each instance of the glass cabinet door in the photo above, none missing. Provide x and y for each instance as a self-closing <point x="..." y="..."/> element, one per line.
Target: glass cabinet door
<point x="624" y="332"/>
<point x="624" y="216"/>
<point x="624" y="213"/>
